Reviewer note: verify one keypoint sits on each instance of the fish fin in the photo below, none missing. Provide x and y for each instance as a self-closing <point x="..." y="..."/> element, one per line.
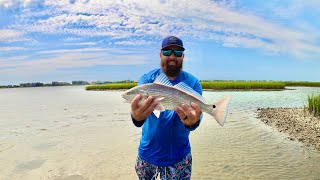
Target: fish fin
<point x="159" y="99"/>
<point x="159" y="107"/>
<point x="220" y="110"/>
<point x="163" y="80"/>
<point x="184" y="87"/>
<point x="157" y="113"/>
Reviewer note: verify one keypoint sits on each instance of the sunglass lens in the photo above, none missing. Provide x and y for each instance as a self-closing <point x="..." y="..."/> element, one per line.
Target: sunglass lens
<point x="178" y="53"/>
<point x="166" y="52"/>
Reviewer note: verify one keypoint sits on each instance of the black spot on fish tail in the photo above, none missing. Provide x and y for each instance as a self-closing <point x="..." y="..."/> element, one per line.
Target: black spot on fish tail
<point x="214" y="106"/>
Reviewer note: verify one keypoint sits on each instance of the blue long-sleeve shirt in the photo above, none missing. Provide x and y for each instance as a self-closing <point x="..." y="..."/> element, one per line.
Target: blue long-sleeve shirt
<point x="165" y="141"/>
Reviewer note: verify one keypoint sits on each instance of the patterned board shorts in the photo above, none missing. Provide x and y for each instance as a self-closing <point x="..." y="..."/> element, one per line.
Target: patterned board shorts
<point x="180" y="170"/>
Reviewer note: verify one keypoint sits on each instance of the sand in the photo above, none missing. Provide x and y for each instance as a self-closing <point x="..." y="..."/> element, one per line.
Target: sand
<point x="298" y="123"/>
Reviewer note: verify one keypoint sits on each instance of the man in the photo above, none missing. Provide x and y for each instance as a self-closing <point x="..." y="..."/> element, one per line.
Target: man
<point x="164" y="144"/>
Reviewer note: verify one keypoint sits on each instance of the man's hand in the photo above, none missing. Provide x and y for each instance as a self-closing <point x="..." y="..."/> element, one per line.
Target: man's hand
<point x="140" y="111"/>
<point x="189" y="116"/>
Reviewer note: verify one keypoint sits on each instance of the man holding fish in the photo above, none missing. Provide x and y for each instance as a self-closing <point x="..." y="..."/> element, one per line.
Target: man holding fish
<point x="167" y="103"/>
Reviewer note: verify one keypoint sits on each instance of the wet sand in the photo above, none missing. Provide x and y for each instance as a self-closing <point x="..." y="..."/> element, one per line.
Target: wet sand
<point x="298" y="123"/>
<point x="65" y="133"/>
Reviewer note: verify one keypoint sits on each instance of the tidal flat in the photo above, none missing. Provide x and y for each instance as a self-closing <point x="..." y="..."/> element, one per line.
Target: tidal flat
<point x="71" y="133"/>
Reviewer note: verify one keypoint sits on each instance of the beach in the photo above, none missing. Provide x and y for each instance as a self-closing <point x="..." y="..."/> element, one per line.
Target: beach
<point x="298" y="123"/>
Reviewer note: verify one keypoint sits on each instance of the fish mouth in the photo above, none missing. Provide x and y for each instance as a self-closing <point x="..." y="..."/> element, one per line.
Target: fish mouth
<point x="126" y="98"/>
<point x="124" y="94"/>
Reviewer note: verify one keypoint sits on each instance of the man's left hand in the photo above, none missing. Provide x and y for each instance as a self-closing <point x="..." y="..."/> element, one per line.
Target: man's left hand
<point x="189" y="116"/>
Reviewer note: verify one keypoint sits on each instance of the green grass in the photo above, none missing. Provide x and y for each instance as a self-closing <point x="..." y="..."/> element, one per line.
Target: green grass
<point x="215" y="85"/>
<point x="314" y="105"/>
<point x="220" y="85"/>
<point x="301" y="83"/>
<point x="245" y="85"/>
<point x="112" y="86"/>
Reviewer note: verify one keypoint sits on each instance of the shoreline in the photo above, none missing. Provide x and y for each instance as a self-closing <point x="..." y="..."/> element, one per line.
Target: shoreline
<point x="298" y="123"/>
<point x="220" y="90"/>
<point x="209" y="90"/>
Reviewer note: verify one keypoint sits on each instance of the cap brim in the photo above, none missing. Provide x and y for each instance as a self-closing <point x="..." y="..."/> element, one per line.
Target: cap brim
<point x="173" y="45"/>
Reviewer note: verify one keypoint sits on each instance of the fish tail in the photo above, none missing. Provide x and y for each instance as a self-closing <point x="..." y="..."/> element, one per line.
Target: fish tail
<point x="219" y="110"/>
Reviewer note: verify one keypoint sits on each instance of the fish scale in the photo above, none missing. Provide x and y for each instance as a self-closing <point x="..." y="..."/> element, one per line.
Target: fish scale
<point x="172" y="97"/>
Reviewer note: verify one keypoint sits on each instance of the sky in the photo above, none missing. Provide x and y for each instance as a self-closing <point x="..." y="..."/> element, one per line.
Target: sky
<point x="104" y="40"/>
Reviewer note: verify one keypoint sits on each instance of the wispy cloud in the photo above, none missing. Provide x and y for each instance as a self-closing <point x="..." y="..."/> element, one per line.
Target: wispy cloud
<point x="141" y="22"/>
<point x="81" y="44"/>
<point x="88" y="50"/>
<point x="133" y="42"/>
<point x="50" y="36"/>
<point x="292" y="9"/>
<point x="11" y="48"/>
<point x="11" y="35"/>
<point x="57" y="60"/>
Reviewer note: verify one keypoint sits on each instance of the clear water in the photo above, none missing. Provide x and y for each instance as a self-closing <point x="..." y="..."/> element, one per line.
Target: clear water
<point x="71" y="133"/>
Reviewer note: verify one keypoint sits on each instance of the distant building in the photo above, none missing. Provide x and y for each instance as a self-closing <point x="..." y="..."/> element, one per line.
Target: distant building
<point x="103" y="82"/>
<point x="37" y="84"/>
<point x="57" y="83"/>
<point x="80" y="83"/>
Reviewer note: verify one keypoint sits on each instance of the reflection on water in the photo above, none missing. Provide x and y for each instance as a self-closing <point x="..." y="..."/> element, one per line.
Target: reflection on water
<point x="70" y="133"/>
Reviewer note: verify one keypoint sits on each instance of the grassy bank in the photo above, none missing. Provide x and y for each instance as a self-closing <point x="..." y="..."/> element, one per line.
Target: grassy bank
<point x="219" y="85"/>
<point x="302" y="83"/>
<point x="111" y="86"/>
<point x="314" y="105"/>
<point x="242" y="85"/>
<point x="213" y="85"/>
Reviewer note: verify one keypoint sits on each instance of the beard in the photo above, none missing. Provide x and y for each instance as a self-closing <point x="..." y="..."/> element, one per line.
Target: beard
<point x="170" y="69"/>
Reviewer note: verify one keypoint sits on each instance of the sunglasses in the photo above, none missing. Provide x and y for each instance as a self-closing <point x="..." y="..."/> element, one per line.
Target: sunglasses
<point x="176" y="53"/>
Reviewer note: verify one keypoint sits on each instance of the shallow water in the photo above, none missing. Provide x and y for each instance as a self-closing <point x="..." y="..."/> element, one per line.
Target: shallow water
<point x="69" y="133"/>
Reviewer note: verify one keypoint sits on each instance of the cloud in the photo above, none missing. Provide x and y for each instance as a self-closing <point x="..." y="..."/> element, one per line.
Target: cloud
<point x="11" y="48"/>
<point x="133" y="42"/>
<point x="84" y="50"/>
<point x="129" y="23"/>
<point x="19" y="3"/>
<point x="10" y="35"/>
<point x="56" y="60"/>
<point x="294" y="8"/>
<point x="81" y="44"/>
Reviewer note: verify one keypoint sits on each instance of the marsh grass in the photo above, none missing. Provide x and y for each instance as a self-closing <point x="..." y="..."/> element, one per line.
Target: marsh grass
<point x="314" y="105"/>
<point x="214" y="85"/>
<point x="301" y="83"/>
<point x="219" y="85"/>
<point x="112" y="86"/>
<point x="245" y="85"/>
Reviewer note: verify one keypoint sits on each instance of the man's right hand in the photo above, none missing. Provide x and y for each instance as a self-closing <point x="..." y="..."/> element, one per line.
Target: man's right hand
<point x="140" y="111"/>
